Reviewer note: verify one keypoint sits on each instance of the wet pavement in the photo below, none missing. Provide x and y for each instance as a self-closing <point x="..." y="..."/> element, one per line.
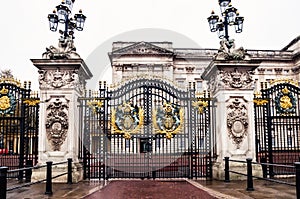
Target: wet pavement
<point x="149" y="189"/>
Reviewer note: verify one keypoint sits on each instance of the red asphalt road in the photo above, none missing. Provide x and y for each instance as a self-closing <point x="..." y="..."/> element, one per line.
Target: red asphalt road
<point x="149" y="189"/>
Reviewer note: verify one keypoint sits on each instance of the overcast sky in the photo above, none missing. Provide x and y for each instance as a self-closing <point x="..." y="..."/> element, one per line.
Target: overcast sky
<point x="269" y="24"/>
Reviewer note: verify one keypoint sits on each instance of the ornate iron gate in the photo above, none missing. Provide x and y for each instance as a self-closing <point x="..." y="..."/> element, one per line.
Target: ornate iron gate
<point x="277" y="119"/>
<point x="145" y="128"/>
<point x="19" y="110"/>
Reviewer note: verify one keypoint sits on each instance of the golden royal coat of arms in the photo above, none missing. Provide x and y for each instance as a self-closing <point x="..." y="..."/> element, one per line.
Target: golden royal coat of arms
<point x="285" y="102"/>
<point x="168" y="119"/>
<point x="127" y="119"/>
<point x="7" y="102"/>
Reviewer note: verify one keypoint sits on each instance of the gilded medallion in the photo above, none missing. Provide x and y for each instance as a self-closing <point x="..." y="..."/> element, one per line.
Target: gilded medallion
<point x="127" y="119"/>
<point x="285" y="102"/>
<point x="7" y="102"/>
<point x="168" y="119"/>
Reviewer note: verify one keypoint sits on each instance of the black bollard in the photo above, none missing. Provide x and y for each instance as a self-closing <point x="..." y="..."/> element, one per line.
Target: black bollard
<point x="227" y="179"/>
<point x="69" y="170"/>
<point x="49" y="179"/>
<point x="28" y="172"/>
<point x="3" y="182"/>
<point x="249" y="175"/>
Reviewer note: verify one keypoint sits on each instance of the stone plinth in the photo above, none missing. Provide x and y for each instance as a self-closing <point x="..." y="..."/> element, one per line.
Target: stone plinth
<point x="62" y="82"/>
<point x="231" y="84"/>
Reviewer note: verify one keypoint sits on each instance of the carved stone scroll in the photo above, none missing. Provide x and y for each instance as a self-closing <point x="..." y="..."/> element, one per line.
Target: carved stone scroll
<point x="57" y="122"/>
<point x="237" y="121"/>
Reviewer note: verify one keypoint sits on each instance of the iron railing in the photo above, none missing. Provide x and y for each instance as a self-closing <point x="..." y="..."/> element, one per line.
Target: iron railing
<point x="294" y="173"/>
<point x="28" y="171"/>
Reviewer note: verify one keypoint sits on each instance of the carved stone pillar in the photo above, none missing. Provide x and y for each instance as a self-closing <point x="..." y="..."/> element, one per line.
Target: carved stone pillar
<point x="62" y="82"/>
<point x="231" y="84"/>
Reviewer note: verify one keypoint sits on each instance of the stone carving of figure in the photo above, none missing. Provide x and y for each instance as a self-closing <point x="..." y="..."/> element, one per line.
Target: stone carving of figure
<point x="65" y="50"/>
<point x="228" y="51"/>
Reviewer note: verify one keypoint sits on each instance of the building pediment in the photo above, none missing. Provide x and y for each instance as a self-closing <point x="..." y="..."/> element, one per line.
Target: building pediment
<point x="142" y="48"/>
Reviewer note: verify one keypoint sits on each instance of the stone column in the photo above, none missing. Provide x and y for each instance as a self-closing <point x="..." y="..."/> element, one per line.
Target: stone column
<point x="231" y="84"/>
<point x="62" y="81"/>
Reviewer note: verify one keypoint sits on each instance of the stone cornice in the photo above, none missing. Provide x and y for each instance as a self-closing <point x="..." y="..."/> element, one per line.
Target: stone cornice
<point x="42" y="64"/>
<point x="217" y="65"/>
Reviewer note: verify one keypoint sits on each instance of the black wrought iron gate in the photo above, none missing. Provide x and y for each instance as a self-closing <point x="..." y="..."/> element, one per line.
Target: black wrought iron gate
<point x="277" y="123"/>
<point x="19" y="112"/>
<point x="146" y="128"/>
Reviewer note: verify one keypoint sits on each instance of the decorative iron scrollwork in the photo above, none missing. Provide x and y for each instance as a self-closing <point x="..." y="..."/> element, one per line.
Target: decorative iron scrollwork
<point x="95" y="105"/>
<point x="260" y="102"/>
<point x="285" y="102"/>
<point x="127" y="119"/>
<point x="168" y="119"/>
<point x="200" y="104"/>
<point x="31" y="101"/>
<point x="7" y="102"/>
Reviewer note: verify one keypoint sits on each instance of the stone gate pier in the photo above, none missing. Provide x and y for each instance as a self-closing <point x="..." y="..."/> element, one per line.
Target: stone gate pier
<point x="231" y="83"/>
<point x="62" y="80"/>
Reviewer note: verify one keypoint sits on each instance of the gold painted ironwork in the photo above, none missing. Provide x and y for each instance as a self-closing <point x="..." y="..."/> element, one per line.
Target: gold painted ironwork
<point x="260" y="102"/>
<point x="285" y="91"/>
<point x="128" y="121"/>
<point x="164" y="120"/>
<point x="285" y="102"/>
<point x="200" y="104"/>
<point x="95" y="105"/>
<point x="289" y="81"/>
<point x="31" y="101"/>
<point x="9" y="80"/>
<point x="7" y="102"/>
<point x="4" y="102"/>
<point x="3" y="91"/>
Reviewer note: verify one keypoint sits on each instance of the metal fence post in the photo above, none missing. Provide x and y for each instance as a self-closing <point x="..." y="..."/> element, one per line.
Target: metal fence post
<point x="28" y="172"/>
<point x="264" y="167"/>
<point x="3" y="182"/>
<point x="249" y="175"/>
<point x="226" y="169"/>
<point x="69" y="170"/>
<point x="49" y="179"/>
<point x="297" y="165"/>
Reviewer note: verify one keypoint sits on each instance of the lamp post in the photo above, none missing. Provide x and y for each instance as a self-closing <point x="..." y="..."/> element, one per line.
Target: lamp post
<point x="229" y="17"/>
<point x="62" y="15"/>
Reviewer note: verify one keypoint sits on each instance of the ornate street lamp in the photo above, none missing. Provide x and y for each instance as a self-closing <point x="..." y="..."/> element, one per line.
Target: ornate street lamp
<point x="229" y="17"/>
<point x="62" y="15"/>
